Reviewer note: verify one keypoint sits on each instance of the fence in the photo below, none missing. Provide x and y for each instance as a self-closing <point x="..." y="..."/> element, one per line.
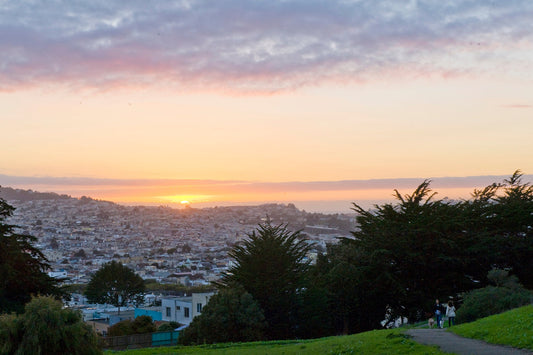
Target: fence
<point x="137" y="341"/>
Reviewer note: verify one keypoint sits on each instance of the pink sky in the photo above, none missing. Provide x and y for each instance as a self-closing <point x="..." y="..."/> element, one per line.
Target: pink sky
<point x="264" y="92"/>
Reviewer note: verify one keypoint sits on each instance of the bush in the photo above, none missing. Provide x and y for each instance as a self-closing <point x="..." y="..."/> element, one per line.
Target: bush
<point x="46" y="328"/>
<point x="491" y="300"/>
<point x="232" y="315"/>
<point x="165" y="327"/>
<point x="140" y="325"/>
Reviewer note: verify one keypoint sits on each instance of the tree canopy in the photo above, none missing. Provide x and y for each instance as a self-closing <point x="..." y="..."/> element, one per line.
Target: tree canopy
<point x="22" y="266"/>
<point x="115" y="284"/>
<point x="270" y="266"/>
<point x="405" y="254"/>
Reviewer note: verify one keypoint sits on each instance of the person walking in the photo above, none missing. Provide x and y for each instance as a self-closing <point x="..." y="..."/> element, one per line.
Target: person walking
<point x="450" y="313"/>
<point x="437" y="310"/>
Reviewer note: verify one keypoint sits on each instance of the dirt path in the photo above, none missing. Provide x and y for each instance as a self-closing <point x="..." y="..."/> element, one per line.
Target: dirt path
<point x="452" y="343"/>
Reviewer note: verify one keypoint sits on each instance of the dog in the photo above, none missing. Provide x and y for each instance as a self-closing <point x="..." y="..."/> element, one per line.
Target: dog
<point x="431" y="322"/>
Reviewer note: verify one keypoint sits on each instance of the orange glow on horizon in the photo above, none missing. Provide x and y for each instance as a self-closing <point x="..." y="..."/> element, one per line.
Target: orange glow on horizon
<point x="183" y="200"/>
<point x="227" y="196"/>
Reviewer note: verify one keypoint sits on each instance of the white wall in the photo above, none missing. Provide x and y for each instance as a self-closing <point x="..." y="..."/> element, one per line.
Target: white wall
<point x="183" y="309"/>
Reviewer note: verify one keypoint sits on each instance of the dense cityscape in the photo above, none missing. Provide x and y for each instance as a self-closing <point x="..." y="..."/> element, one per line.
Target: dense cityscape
<point x="187" y="246"/>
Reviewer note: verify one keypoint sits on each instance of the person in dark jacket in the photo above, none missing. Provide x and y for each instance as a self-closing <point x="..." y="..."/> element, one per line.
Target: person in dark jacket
<point x="437" y="309"/>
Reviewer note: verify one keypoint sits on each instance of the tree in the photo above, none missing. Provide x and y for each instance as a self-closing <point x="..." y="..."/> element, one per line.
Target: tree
<point x="232" y="315"/>
<point x="403" y="255"/>
<point x="270" y="266"/>
<point x="80" y="254"/>
<point x="356" y="291"/>
<point x="415" y="249"/>
<point x="22" y="267"/>
<point x="46" y="328"/>
<point x="511" y="224"/>
<point x="186" y="248"/>
<point x="115" y="284"/>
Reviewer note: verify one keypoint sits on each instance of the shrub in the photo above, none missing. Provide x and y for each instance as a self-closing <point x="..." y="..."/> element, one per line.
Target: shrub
<point x="491" y="300"/>
<point x="165" y="327"/>
<point x="46" y="328"/>
<point x="120" y="328"/>
<point x="232" y="315"/>
<point x="140" y="325"/>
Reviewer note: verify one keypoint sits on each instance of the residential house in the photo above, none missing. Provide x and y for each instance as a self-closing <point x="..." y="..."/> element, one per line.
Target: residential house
<point x="184" y="309"/>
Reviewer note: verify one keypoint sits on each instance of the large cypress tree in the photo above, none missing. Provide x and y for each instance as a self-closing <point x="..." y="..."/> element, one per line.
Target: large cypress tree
<point x="270" y="266"/>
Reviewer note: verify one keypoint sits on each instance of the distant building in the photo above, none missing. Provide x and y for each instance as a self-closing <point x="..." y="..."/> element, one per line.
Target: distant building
<point x="61" y="274"/>
<point x="184" y="309"/>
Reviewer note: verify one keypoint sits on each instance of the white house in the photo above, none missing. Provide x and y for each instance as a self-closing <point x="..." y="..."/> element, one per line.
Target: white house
<point x="62" y="274"/>
<point x="184" y="309"/>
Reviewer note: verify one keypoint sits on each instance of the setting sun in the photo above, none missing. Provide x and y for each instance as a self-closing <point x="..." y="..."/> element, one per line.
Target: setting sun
<point x="185" y="200"/>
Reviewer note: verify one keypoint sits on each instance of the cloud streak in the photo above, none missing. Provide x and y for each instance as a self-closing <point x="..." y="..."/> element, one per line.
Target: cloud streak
<point x="217" y="187"/>
<point x="256" y="46"/>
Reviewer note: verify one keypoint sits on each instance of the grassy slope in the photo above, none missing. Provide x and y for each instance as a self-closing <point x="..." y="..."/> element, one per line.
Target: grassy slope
<point x="374" y="342"/>
<point x="514" y="328"/>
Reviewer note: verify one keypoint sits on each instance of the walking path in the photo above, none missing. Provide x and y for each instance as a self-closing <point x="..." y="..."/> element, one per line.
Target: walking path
<point x="453" y="343"/>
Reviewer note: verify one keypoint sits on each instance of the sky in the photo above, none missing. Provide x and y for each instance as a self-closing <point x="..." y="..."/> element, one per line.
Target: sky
<point x="234" y="102"/>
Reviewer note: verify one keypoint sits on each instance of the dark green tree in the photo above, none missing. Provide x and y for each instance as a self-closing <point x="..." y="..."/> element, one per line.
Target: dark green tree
<point x="357" y="290"/>
<point x="500" y="229"/>
<point x="314" y="316"/>
<point x="511" y="224"/>
<point x="46" y="328"/>
<point x="416" y="248"/>
<point x="403" y="255"/>
<point x="270" y="266"/>
<point x="232" y="315"/>
<point x="115" y="284"/>
<point x="22" y="267"/>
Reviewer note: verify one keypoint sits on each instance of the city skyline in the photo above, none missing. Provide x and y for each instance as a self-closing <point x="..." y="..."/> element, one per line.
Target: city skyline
<point x="264" y="101"/>
<point x="312" y="196"/>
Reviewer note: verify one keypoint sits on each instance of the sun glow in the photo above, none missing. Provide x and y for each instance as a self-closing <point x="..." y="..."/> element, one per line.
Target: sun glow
<point x="186" y="200"/>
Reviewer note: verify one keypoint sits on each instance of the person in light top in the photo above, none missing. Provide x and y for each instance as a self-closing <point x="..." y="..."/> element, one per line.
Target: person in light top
<point x="450" y="313"/>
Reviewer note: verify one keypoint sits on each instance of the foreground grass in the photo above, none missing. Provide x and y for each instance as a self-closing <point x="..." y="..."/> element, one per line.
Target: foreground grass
<point x="514" y="328"/>
<point x="374" y="342"/>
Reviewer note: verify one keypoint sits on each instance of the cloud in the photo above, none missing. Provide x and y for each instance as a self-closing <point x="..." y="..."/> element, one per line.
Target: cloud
<point x="220" y="187"/>
<point x="255" y="46"/>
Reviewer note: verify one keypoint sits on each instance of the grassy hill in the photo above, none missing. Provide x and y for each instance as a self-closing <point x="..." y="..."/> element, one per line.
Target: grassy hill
<point x="514" y="328"/>
<point x="374" y="342"/>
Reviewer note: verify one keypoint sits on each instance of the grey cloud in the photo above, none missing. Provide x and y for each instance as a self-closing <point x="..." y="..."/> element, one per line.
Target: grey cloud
<point x="234" y="186"/>
<point x="253" y="46"/>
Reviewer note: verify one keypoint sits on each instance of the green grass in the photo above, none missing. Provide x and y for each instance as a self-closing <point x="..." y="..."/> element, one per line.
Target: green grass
<point x="514" y="328"/>
<point x="374" y="342"/>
